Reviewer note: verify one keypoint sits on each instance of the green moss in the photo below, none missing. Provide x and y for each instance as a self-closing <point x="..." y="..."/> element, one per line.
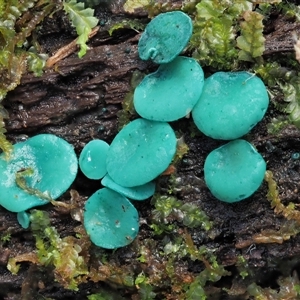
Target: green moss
<point x="215" y="32"/>
<point x="83" y="20"/>
<point x="22" y="184"/>
<point x="277" y="124"/>
<point x="242" y="266"/>
<point x="63" y="255"/>
<point x="288" y="229"/>
<point x="288" y="289"/>
<point x="213" y="271"/>
<point x="105" y="295"/>
<point x="18" y="21"/>
<point x="290" y="10"/>
<point x="181" y="149"/>
<point x="5" y="238"/>
<point x="168" y="209"/>
<point x="251" y="41"/>
<point x="288" y="211"/>
<point x="146" y="292"/>
<point x="284" y="88"/>
<point x="127" y="23"/>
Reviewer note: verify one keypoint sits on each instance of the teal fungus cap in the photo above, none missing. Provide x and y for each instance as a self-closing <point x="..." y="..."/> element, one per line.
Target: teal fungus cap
<point x="234" y="171"/>
<point x="231" y="104"/>
<point x="165" y="37"/>
<point x="140" y="152"/>
<point x="44" y="164"/>
<point x="110" y="219"/>
<point x="24" y="219"/>
<point x="92" y="159"/>
<point x="171" y="92"/>
<point x="141" y="192"/>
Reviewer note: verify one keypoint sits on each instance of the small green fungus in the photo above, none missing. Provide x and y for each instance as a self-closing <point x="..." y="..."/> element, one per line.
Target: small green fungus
<point x="234" y="171"/>
<point x="92" y="159"/>
<point x="171" y="92"/>
<point x="110" y="219"/>
<point x="28" y="179"/>
<point x="24" y="219"/>
<point x="165" y="37"/>
<point x="231" y="104"/>
<point x="140" y="152"/>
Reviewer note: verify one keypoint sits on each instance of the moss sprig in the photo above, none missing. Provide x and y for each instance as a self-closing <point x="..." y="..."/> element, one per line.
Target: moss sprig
<point x="169" y="208"/>
<point x="289" y="212"/>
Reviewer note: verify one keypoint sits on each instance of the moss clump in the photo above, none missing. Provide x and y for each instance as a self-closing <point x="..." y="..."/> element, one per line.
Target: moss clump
<point x="67" y="256"/>
<point x="213" y="271"/>
<point x="289" y="288"/>
<point x="242" y="266"/>
<point x="289" y="211"/>
<point x="169" y="209"/>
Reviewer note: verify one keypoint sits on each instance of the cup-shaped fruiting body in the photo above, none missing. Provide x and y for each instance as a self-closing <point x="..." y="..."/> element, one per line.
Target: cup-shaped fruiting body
<point x="24" y="219"/>
<point x="41" y="168"/>
<point x="110" y="219"/>
<point x="165" y="37"/>
<point x="231" y="104"/>
<point x="233" y="172"/>
<point x="171" y="92"/>
<point x="141" y="192"/>
<point x="140" y="152"/>
<point x="92" y="159"/>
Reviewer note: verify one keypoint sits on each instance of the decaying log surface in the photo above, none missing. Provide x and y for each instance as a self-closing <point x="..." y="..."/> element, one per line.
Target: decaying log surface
<point x="78" y="100"/>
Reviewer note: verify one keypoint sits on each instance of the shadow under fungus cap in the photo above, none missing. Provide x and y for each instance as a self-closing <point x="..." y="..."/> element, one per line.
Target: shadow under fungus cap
<point x="141" y="192"/>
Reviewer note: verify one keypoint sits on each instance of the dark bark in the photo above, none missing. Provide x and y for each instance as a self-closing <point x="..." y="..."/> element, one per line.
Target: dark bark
<point x="78" y="100"/>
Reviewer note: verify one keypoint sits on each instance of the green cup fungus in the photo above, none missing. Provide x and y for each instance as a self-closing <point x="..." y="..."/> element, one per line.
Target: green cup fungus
<point x="234" y="171"/>
<point x="24" y="219"/>
<point x="92" y="159"/>
<point x="141" y="192"/>
<point x="110" y="219"/>
<point x="41" y="168"/>
<point x="171" y="92"/>
<point x="165" y="37"/>
<point x="226" y="107"/>
<point x="231" y="104"/>
<point x="140" y="152"/>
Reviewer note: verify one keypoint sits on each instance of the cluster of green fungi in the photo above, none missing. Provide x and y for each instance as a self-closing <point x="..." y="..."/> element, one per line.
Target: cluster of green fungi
<point x="25" y="172"/>
<point x="224" y="106"/>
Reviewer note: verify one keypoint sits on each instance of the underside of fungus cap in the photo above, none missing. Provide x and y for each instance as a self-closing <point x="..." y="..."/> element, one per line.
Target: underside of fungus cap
<point x="165" y="37"/>
<point x="141" y="192"/>
<point x="40" y="169"/>
<point x="171" y="92"/>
